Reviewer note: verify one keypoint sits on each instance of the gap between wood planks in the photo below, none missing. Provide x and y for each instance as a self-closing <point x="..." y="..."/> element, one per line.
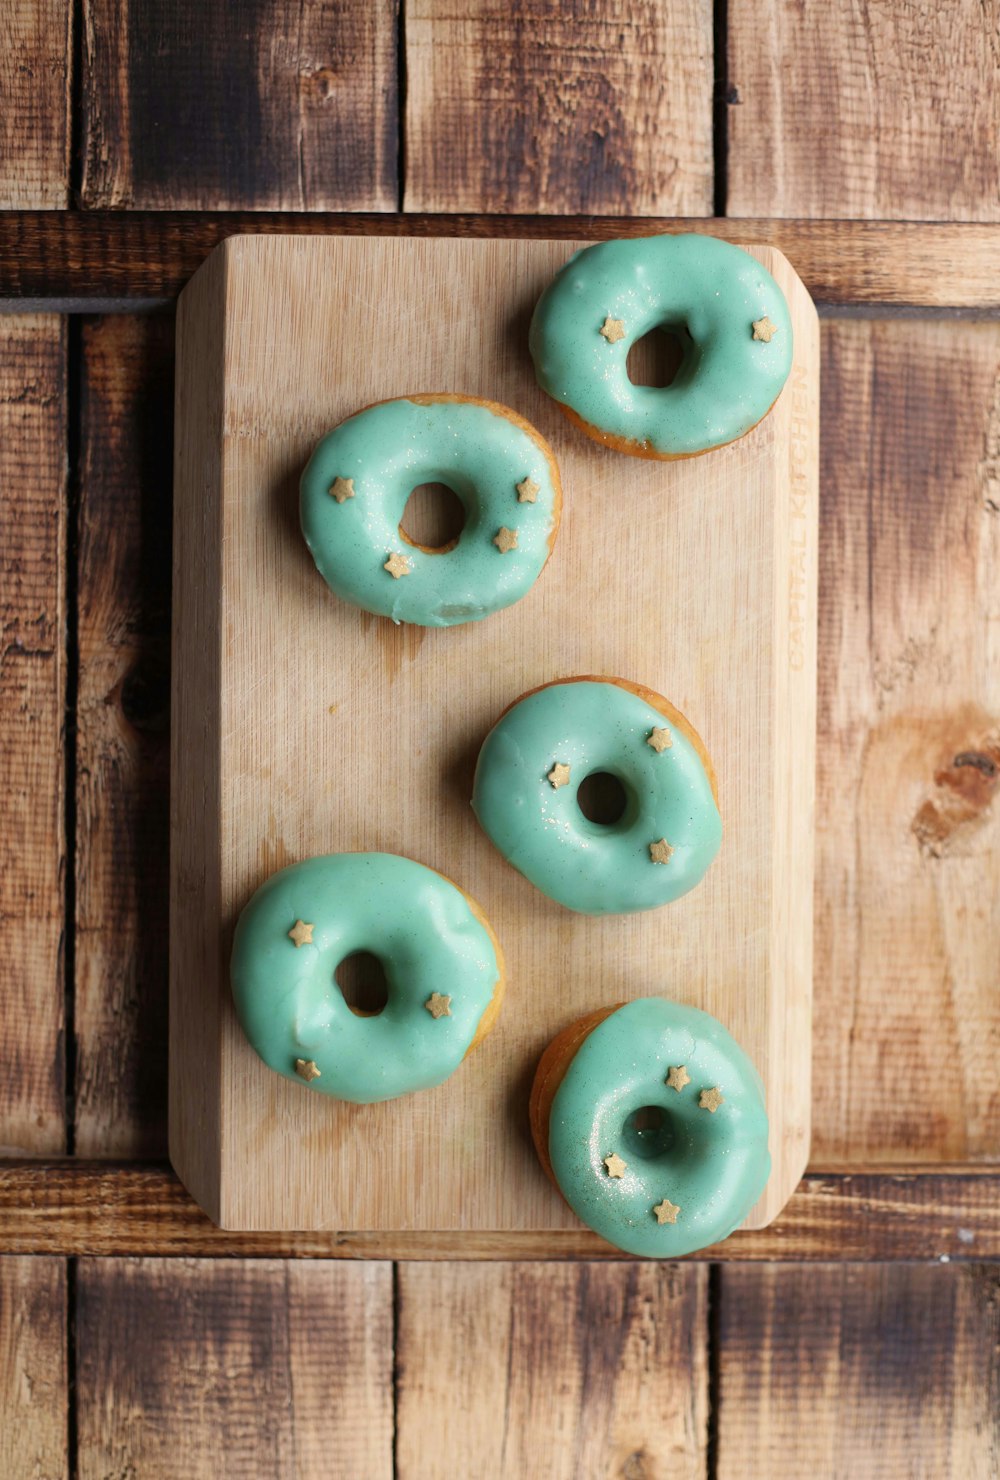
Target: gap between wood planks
<point x="91" y="259"/>
<point x="72" y="578"/>
<point x="104" y="1208"/>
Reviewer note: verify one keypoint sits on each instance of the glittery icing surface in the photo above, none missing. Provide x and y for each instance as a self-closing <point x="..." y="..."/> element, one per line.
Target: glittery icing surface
<point x="713" y="1167"/>
<point x="428" y="940"/>
<point x="388" y="450"/>
<point x="595" y="868"/>
<point x="727" y="380"/>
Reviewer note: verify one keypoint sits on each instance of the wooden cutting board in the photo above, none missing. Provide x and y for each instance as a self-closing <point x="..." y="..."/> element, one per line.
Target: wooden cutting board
<point x="303" y="726"/>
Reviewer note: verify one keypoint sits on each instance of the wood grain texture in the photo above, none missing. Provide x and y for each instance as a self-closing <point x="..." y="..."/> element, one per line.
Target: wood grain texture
<point x="32" y="695"/>
<point x="99" y="1208"/>
<point x="547" y="106"/>
<point x="510" y="1370"/>
<point x="270" y="104"/>
<point x="908" y="934"/>
<point x="34" y="104"/>
<point x="240" y="1369"/>
<point x="33" y="1371"/>
<point x="884" y="109"/>
<point x="123" y="744"/>
<point x="114" y="259"/>
<point x="890" y="1373"/>
<point x="259" y="783"/>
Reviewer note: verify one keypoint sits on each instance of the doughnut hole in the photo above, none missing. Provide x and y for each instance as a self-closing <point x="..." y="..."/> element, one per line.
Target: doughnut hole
<point x="602" y="798"/>
<point x="433" y="518"/>
<point x="362" y="982"/>
<point x="656" y="358"/>
<point x="648" y="1134"/>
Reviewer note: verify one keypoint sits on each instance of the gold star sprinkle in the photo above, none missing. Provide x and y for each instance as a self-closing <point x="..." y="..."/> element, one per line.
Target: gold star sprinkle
<point x="763" y="329"/>
<point x="558" y="776"/>
<point x="527" y="491"/>
<point x="397" y="565"/>
<point x="678" y="1078"/>
<point x="710" y="1099"/>
<point x="301" y="933"/>
<point x="661" y="852"/>
<point x="306" y="1069"/>
<point x="615" y="1165"/>
<point x="613" y="330"/>
<point x="660" y="740"/>
<point x="341" y="488"/>
<point x="505" y="539"/>
<point x="438" y="1006"/>
<point x="666" y="1211"/>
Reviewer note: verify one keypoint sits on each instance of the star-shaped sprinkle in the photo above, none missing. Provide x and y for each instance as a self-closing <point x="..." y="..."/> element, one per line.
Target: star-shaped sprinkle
<point x="505" y="539"/>
<point x="661" y="852"/>
<point x="613" y="330"/>
<point x="307" y="1069"/>
<point x="709" y="1099"/>
<point x="615" y="1165"/>
<point x="660" y="740"/>
<point x="397" y="565"/>
<point x="301" y="933"/>
<point x="666" y="1211"/>
<point x="438" y="1006"/>
<point x="527" y="491"/>
<point x="678" y="1078"/>
<point x="558" y="776"/>
<point x="342" y="488"/>
<point x="764" y="330"/>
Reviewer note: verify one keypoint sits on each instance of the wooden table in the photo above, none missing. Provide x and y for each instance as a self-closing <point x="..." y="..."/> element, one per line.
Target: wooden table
<point x="860" y="1334"/>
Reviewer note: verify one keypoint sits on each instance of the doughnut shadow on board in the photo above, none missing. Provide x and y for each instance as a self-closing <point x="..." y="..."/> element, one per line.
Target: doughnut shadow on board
<point x="283" y="509"/>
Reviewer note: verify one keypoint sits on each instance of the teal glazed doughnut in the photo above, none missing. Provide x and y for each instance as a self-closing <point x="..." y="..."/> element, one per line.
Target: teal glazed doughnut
<point x="442" y="962"/>
<point x="356" y="484"/>
<point x="525" y="795"/>
<point x="650" y="1119"/>
<point x="726" y="308"/>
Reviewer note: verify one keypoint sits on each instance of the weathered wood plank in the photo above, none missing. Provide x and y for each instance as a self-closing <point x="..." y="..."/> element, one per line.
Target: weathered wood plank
<point x="908" y="934"/>
<point x="510" y="1370"/>
<point x="77" y="1207"/>
<point x="123" y="736"/>
<point x="33" y="1391"/>
<point x="879" y="110"/>
<point x="891" y="1372"/>
<point x="77" y="258"/>
<point x="559" y="107"/>
<point x="269" y="104"/>
<point x="251" y="1368"/>
<point x="34" y="104"/>
<point x="32" y="695"/>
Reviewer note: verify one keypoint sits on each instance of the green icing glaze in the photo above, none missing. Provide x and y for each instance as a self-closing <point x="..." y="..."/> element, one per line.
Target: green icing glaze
<point x="427" y="938"/>
<point x="387" y="451"/>
<point x="594" y="868"/>
<point x="713" y="1166"/>
<point x="727" y="380"/>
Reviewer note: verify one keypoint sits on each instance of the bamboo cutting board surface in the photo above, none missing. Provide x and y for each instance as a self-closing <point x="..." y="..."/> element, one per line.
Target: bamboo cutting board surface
<point x="303" y="726"/>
